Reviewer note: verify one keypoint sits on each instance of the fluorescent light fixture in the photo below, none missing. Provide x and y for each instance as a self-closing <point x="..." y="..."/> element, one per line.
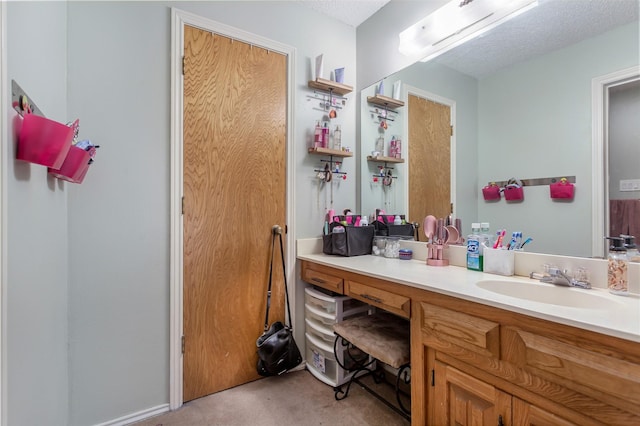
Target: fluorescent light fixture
<point x="456" y="22"/>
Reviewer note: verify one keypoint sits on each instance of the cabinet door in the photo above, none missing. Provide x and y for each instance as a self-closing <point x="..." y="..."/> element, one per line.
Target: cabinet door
<point x="525" y="414"/>
<point x="461" y="399"/>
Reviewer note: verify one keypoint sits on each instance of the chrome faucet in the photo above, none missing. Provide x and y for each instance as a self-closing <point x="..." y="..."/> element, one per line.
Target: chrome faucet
<point x="558" y="277"/>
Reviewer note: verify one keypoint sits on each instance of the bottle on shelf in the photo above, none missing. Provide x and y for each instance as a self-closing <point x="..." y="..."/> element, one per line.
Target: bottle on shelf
<point x="317" y="136"/>
<point x="325" y="135"/>
<point x="337" y="138"/>
<point x="398" y="149"/>
<point x="380" y="145"/>
<point x="392" y="148"/>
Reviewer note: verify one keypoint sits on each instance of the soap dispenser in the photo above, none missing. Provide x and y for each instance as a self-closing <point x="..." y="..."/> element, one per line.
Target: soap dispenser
<point x="617" y="267"/>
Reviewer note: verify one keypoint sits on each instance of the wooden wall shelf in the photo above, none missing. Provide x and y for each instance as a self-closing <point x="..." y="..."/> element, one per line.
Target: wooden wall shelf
<point x="385" y="101"/>
<point x="330" y="86"/>
<point x="381" y="159"/>
<point x="327" y="151"/>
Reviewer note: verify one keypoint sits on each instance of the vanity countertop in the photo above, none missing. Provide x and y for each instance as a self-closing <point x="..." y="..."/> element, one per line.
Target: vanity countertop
<point x="619" y="317"/>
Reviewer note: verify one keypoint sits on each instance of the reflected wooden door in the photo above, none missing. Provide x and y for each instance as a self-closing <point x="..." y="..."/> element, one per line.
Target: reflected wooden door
<point x="429" y="159"/>
<point x="234" y="192"/>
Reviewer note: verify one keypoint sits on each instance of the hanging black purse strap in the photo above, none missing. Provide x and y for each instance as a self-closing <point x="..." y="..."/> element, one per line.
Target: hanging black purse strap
<point x="277" y="230"/>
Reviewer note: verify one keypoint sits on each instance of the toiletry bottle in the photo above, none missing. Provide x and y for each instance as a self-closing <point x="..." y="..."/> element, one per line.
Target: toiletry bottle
<point x="364" y="220"/>
<point x="397" y="220"/>
<point x="617" y="267"/>
<point x="325" y="135"/>
<point x="398" y="148"/>
<point x="392" y="148"/>
<point x="337" y="138"/>
<point x="486" y="237"/>
<point x="632" y="250"/>
<point x="474" y="260"/>
<point x="317" y="136"/>
<point x="380" y="145"/>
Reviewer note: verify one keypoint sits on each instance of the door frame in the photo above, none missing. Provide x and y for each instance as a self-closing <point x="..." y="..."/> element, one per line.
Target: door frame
<point x="4" y="139"/>
<point x="600" y="152"/>
<point x="179" y="19"/>
<point x="424" y="94"/>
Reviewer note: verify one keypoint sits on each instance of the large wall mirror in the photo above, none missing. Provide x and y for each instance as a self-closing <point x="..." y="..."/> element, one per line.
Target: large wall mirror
<point x="522" y="106"/>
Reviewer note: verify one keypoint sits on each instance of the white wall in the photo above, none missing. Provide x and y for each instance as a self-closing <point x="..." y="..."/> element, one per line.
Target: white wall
<point x="119" y="85"/>
<point x="545" y="135"/>
<point x="37" y="276"/>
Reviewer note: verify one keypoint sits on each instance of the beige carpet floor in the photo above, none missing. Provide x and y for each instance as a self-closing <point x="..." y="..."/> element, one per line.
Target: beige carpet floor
<point x="295" y="398"/>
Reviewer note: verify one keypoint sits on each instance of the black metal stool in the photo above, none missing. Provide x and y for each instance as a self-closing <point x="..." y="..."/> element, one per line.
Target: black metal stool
<point x="381" y="337"/>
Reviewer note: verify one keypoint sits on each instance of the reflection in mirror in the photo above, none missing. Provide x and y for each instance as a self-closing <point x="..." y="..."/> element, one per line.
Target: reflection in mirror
<point x="525" y="114"/>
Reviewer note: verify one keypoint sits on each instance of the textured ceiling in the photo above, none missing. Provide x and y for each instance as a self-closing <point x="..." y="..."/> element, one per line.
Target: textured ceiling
<point x="552" y="25"/>
<point x="351" y="12"/>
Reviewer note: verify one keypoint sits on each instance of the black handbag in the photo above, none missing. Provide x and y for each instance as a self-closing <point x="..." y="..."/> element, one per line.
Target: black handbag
<point x="277" y="350"/>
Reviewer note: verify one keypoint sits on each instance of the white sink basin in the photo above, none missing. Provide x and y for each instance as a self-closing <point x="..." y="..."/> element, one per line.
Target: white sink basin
<point x="535" y="291"/>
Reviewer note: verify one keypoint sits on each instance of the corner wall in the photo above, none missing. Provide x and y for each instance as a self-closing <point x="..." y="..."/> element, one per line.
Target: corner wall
<point x="37" y="261"/>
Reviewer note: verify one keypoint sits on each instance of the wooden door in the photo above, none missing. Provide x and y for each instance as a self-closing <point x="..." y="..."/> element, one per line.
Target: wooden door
<point x="463" y="400"/>
<point x="429" y="159"/>
<point x="234" y="192"/>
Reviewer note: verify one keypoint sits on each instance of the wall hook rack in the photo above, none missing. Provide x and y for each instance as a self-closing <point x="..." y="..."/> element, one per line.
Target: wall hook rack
<point x="537" y="181"/>
<point x="21" y="102"/>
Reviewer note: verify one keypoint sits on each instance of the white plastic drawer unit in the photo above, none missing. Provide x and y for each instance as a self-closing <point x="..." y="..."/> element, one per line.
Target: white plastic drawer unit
<point x="336" y="306"/>
<point x="323" y="334"/>
<point x="321" y="361"/>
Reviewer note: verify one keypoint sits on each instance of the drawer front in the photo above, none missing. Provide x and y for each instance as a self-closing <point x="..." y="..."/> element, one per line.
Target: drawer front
<point x="575" y="367"/>
<point x="467" y="331"/>
<point x="392" y="302"/>
<point x="326" y="281"/>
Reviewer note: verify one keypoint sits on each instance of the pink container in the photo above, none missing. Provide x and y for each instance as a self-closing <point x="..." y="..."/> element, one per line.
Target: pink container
<point x="43" y="141"/>
<point x="491" y="192"/>
<point x="75" y="166"/>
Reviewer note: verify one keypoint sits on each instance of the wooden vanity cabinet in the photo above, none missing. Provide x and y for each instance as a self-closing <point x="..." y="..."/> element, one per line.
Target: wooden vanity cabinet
<point x="483" y="365"/>
<point x="477" y="364"/>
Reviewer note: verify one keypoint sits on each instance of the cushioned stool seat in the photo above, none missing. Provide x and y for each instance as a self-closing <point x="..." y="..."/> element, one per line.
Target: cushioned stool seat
<point x="383" y="337"/>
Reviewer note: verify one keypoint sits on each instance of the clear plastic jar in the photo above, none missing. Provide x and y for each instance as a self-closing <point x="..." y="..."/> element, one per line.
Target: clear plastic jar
<point x="392" y="248"/>
<point x="617" y="280"/>
<point x="379" y="245"/>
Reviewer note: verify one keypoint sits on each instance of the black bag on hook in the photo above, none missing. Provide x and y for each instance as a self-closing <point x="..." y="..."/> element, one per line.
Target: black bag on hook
<point x="277" y="349"/>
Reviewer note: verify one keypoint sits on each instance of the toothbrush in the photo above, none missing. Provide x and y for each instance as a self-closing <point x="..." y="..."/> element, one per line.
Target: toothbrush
<point x="499" y="239"/>
<point x="516" y="236"/>
<point x="527" y="241"/>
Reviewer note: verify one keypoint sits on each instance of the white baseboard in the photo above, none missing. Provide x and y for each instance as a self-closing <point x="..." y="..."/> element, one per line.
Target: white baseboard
<point x="136" y="417"/>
